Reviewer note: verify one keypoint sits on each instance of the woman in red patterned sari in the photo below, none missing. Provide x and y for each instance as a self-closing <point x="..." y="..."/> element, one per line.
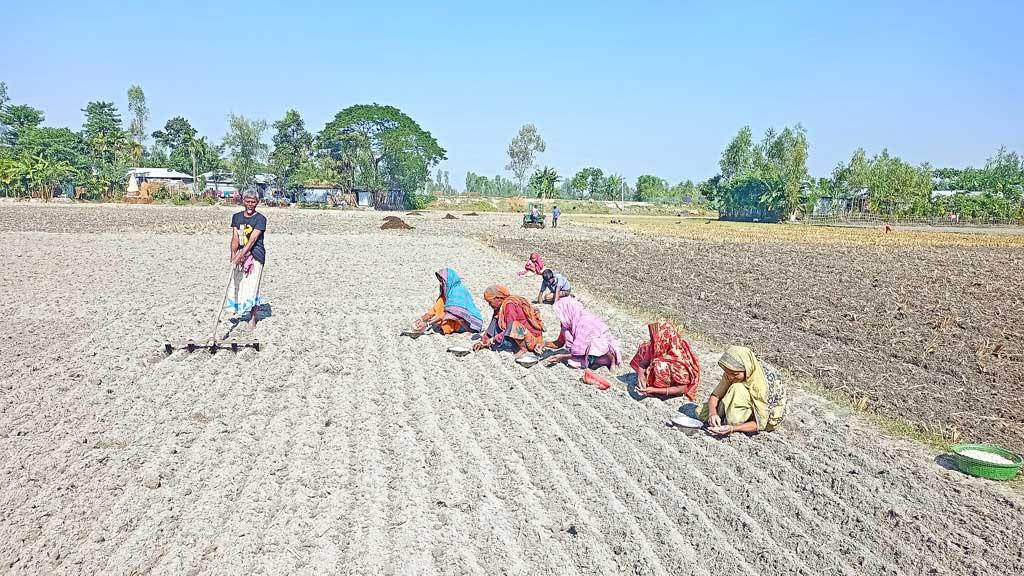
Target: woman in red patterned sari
<point x="514" y="318"/>
<point x="665" y="365"/>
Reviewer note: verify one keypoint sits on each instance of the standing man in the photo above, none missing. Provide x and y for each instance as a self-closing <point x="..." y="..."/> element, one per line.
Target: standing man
<point x="554" y="217"/>
<point x="248" y="257"/>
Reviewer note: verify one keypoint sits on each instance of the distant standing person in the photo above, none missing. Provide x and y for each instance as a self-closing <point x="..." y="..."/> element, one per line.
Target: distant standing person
<point x="248" y="257"/>
<point x="555" y="213"/>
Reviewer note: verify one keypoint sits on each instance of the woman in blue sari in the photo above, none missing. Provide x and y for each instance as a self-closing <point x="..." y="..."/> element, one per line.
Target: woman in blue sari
<point x="454" y="310"/>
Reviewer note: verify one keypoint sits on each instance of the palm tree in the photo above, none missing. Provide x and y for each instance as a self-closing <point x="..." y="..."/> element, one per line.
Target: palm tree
<point x="544" y="181"/>
<point x="615" y="188"/>
<point x="196" y="147"/>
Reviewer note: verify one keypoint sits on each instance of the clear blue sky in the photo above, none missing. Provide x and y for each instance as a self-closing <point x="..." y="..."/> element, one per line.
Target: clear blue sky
<point x="633" y="88"/>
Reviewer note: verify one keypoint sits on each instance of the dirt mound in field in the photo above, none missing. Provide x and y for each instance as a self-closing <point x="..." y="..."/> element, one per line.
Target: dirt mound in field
<point x="449" y="217"/>
<point x="414" y="213"/>
<point x="394" y="223"/>
<point x="471" y="214"/>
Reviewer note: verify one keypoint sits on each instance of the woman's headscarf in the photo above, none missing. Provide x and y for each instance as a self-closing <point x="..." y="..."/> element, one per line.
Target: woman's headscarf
<point x="498" y="297"/>
<point x="458" y="302"/>
<point x="742" y="359"/>
<point x="585" y="333"/>
<point x="739" y="359"/>
<point x="537" y="260"/>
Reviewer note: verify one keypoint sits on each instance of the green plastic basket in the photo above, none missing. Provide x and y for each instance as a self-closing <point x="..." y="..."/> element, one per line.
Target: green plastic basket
<point x="983" y="469"/>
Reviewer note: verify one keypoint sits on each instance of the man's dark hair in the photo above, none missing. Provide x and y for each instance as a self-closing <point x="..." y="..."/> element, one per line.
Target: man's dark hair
<point x="548" y="275"/>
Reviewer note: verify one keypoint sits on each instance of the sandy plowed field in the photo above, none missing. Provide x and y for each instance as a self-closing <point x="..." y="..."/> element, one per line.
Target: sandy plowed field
<point x="342" y="448"/>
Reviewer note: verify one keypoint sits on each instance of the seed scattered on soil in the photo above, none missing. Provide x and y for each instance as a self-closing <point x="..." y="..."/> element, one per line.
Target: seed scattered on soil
<point x="986" y="457"/>
<point x="394" y="223"/>
<point x="449" y="217"/>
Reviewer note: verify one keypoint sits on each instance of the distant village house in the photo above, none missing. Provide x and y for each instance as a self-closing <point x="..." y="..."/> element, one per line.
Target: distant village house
<point x="142" y="182"/>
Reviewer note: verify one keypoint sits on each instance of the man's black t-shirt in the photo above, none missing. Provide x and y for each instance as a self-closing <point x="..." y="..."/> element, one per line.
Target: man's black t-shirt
<point x="245" y="226"/>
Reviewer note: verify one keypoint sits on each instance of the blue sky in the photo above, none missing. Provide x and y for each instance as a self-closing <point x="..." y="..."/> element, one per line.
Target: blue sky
<point x="633" y="88"/>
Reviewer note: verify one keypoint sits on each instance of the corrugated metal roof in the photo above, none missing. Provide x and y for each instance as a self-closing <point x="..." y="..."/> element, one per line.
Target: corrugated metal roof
<point x="228" y="177"/>
<point x="159" y="173"/>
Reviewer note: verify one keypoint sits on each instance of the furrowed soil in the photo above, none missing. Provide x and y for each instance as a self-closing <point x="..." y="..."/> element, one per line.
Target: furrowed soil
<point x="342" y="448"/>
<point x="922" y="328"/>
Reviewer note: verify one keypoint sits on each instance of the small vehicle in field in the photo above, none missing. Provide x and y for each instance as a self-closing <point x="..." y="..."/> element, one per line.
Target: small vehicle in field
<point x="535" y="217"/>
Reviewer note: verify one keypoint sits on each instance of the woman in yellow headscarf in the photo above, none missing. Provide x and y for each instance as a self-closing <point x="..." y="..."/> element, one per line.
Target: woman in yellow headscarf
<point x="751" y="397"/>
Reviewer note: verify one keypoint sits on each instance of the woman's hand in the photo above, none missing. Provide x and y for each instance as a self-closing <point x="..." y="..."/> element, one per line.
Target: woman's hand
<point x="499" y="339"/>
<point x="556" y="359"/>
<point x="714" y="420"/>
<point x="721" y="430"/>
<point x="641" y="378"/>
<point x="419" y="325"/>
<point x="481" y="344"/>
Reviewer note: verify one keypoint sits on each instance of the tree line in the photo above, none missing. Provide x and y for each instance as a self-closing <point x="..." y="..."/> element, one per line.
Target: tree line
<point x="590" y="183"/>
<point x="769" y="178"/>
<point x="367" y="146"/>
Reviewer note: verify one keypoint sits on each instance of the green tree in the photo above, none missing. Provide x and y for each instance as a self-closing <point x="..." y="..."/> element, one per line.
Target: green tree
<point x="203" y="158"/>
<point x="380" y="147"/>
<point x="616" y="188"/>
<point x="194" y="154"/>
<point x="590" y="182"/>
<point x="781" y="162"/>
<point x="176" y="133"/>
<point x="522" y="152"/>
<point x="12" y="175"/>
<point x="738" y="156"/>
<point x="15" y="119"/>
<point x="45" y="175"/>
<point x="771" y="175"/>
<point x="650" y="187"/>
<point x="896" y="187"/>
<point x="292" y="148"/>
<point x="544" y="181"/>
<point x="55" y="145"/>
<point x="156" y="157"/>
<point x="103" y="132"/>
<point x="711" y="190"/>
<point x="684" y="191"/>
<point x="1004" y="176"/>
<point x="317" y="170"/>
<point x="246" y="149"/>
<point x="106" y="146"/>
<point x="139" y="116"/>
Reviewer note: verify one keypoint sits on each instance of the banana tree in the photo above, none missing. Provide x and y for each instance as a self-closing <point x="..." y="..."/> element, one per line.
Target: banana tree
<point x="544" y="181"/>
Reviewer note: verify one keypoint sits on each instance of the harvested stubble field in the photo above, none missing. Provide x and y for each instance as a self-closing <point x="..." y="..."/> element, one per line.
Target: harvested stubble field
<point x="343" y="448"/>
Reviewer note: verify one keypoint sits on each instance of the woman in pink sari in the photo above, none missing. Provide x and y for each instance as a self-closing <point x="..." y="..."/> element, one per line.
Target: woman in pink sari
<point x="535" y="265"/>
<point x="590" y="342"/>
